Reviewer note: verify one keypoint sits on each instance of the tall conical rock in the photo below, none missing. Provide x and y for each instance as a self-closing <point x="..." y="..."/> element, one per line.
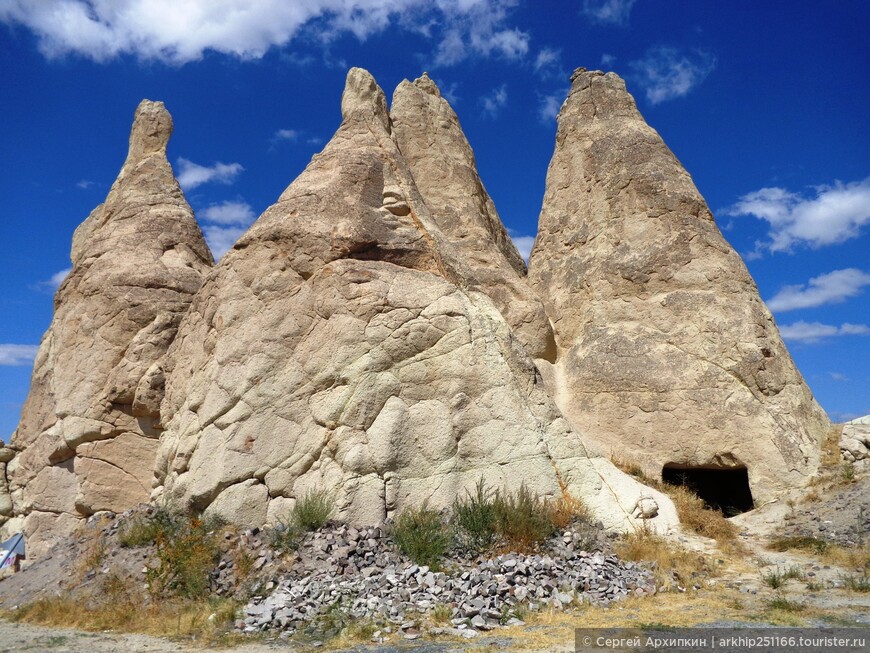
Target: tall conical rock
<point x="89" y="427"/>
<point x="430" y="138"/>
<point x="337" y="347"/>
<point x="666" y="353"/>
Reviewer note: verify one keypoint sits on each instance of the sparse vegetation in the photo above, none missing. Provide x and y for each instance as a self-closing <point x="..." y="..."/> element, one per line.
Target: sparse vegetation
<point x="517" y="521"/>
<point x="779" y="602"/>
<point x="127" y="611"/>
<point x="421" y="535"/>
<point x="670" y="562"/>
<point x="778" y="577"/>
<point x="313" y="510"/>
<point x="187" y="549"/>
<point x="284" y="536"/>
<point x="857" y="583"/>
<point x="441" y="613"/>
<point x="524" y="520"/>
<point x="857" y="557"/>
<point x="476" y="519"/>
<point x="798" y="542"/>
<point x="144" y="530"/>
<point x="847" y="472"/>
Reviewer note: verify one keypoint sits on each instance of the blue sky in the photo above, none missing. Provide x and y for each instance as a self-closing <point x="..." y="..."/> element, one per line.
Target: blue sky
<point x="765" y="103"/>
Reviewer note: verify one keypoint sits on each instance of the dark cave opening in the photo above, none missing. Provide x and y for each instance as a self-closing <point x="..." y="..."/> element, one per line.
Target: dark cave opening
<point x="725" y="489"/>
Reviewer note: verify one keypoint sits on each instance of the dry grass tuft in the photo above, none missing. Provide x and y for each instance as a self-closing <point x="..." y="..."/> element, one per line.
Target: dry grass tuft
<point x="698" y="518"/>
<point x="567" y="510"/>
<point x="831" y="447"/>
<point x="856" y="557"/>
<point x="670" y="560"/>
<point x="123" y="611"/>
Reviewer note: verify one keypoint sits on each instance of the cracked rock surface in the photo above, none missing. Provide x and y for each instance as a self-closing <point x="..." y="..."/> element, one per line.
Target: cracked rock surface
<point x="666" y="353"/>
<point x="89" y="427"/>
<point x="339" y="346"/>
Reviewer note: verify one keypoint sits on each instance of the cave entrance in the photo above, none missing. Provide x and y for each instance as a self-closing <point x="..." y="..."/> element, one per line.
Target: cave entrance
<point x="725" y="489"/>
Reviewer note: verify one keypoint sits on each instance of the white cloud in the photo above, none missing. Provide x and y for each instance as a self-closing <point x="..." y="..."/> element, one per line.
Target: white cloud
<point x="608" y="12"/>
<point x="607" y="60"/>
<point x="547" y="60"/>
<point x="229" y="220"/>
<point x="84" y="184"/>
<point x="495" y="101"/>
<point x="837" y="213"/>
<point x="57" y="278"/>
<point x="52" y="283"/>
<point x="179" y="32"/>
<point x="285" y="135"/>
<point x="666" y="73"/>
<point x="831" y="288"/>
<point x="523" y="243"/>
<point x="230" y="212"/>
<point x="550" y="105"/>
<point x="450" y="93"/>
<point x="838" y="376"/>
<point x="221" y="239"/>
<point x="17" y="354"/>
<point x="809" y="332"/>
<point x="477" y="27"/>
<point x="190" y="174"/>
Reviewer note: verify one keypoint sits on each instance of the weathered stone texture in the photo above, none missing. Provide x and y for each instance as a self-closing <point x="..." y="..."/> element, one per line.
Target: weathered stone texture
<point x="430" y="138"/>
<point x="337" y="346"/>
<point x="666" y="353"/>
<point x="88" y="430"/>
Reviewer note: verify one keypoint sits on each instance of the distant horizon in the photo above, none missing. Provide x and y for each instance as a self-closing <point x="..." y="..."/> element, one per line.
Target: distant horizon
<point x="764" y="108"/>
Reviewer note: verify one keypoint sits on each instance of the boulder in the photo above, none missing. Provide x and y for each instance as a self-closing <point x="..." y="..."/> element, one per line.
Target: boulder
<point x="89" y="427"/>
<point x="339" y="345"/>
<point x="665" y="351"/>
<point x="855" y="440"/>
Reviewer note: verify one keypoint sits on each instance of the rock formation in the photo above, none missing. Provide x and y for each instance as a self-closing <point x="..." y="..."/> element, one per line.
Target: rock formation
<point x="854" y="441"/>
<point x="341" y="345"/>
<point x="374" y="334"/>
<point x="666" y="353"/>
<point x="428" y="134"/>
<point x="89" y="427"/>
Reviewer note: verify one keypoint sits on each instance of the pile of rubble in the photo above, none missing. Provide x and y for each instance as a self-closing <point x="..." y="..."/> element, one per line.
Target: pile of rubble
<point x="359" y="572"/>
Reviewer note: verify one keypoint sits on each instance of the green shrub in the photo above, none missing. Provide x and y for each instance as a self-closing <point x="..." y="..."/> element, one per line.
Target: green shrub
<point x="142" y="530"/>
<point x="284" y="536"/>
<point x="777" y="578"/>
<point x="847" y="472"/>
<point x="524" y="520"/>
<point x="421" y="536"/>
<point x="857" y="583"/>
<point x="779" y="602"/>
<point x="185" y="557"/>
<point x="476" y="519"/>
<point x="313" y="510"/>
<point x="800" y="542"/>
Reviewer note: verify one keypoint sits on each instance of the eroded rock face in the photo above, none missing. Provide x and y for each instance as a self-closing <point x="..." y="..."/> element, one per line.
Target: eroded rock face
<point x="666" y="353"/>
<point x="428" y="134"/>
<point x="854" y="441"/>
<point x="339" y="346"/>
<point x="89" y="427"/>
